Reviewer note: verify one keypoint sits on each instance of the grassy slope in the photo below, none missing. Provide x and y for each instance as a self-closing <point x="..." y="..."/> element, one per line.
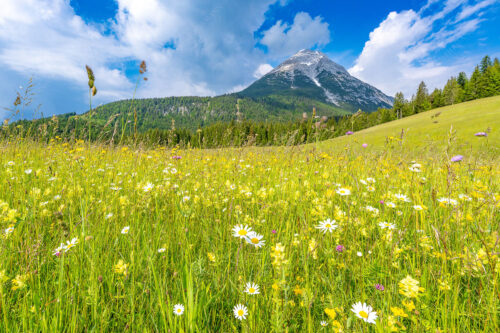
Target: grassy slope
<point x="421" y="131"/>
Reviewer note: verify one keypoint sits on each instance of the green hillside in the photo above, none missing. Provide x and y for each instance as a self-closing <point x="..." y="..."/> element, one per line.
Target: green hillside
<point x="431" y="130"/>
<point x="191" y="113"/>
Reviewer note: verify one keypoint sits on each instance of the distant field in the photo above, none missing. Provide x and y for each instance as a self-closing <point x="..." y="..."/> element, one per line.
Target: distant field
<point x="430" y="130"/>
<point x="282" y="239"/>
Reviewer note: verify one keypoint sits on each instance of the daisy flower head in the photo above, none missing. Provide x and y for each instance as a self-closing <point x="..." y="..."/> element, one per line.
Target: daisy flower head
<point x="402" y="197"/>
<point x="324" y="323"/>
<point x="178" y="309"/>
<point x="70" y="244"/>
<point x="125" y="230"/>
<point x="390" y="204"/>
<point x="364" y="312"/>
<point x="255" y="239"/>
<point x="240" y="312"/>
<point x="252" y="288"/>
<point x="57" y="252"/>
<point x="327" y="225"/>
<point x="343" y="191"/>
<point x="418" y="207"/>
<point x="161" y="250"/>
<point x="148" y="187"/>
<point x="9" y="230"/>
<point x="241" y="231"/>
<point x="387" y="225"/>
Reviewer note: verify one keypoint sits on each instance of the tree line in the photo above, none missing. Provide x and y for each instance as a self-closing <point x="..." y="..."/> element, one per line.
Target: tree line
<point x="238" y="131"/>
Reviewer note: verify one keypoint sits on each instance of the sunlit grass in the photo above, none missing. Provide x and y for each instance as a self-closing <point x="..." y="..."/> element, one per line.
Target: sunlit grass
<point x="180" y="208"/>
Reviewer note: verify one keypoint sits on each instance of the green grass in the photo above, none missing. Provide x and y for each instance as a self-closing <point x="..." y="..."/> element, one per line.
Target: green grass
<point x="428" y="130"/>
<point x="52" y="193"/>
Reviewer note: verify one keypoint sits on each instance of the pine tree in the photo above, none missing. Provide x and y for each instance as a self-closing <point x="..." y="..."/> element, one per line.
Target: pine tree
<point x="485" y="64"/>
<point x="471" y="92"/>
<point x="422" y="98"/>
<point x="451" y="91"/>
<point x="462" y="79"/>
<point x="436" y="98"/>
<point x="399" y="104"/>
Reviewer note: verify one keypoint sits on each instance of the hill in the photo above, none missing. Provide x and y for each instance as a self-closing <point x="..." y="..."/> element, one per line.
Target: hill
<point x="431" y="130"/>
<point x="191" y="113"/>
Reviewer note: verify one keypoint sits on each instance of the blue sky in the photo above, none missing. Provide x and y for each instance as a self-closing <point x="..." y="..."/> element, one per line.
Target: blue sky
<point x="199" y="47"/>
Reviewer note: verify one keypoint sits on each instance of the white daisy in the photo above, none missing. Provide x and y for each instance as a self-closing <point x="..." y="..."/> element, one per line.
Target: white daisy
<point x="28" y="171"/>
<point x="240" y="312"/>
<point x="125" y="230"/>
<point x="70" y="244"/>
<point x="344" y="191"/>
<point x="418" y="207"/>
<point x="390" y="204"/>
<point x="464" y="197"/>
<point x="255" y="239"/>
<point x="359" y="254"/>
<point x="387" y="225"/>
<point x="252" y="288"/>
<point x="324" y="323"/>
<point x="178" y="309"/>
<point x="327" y="225"/>
<point x="161" y="250"/>
<point x="148" y="187"/>
<point x="402" y="197"/>
<point x="9" y="230"/>
<point x="59" y="250"/>
<point x="241" y="231"/>
<point x="364" y="312"/>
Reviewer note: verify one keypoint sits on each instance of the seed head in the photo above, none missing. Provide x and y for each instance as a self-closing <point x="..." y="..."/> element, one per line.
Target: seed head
<point x="142" y="68"/>
<point x="91" y="76"/>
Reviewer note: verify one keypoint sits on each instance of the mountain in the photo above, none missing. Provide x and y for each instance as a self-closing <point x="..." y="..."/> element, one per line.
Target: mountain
<point x="312" y="74"/>
<point x="306" y="81"/>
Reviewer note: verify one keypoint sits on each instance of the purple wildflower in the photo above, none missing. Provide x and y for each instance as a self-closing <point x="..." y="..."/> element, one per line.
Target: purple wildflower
<point x="349" y="133"/>
<point x="457" y="158"/>
<point x="381" y="202"/>
<point x="364" y="145"/>
<point x="274" y="231"/>
<point x="176" y="157"/>
<point x="481" y="134"/>
<point x="380" y="287"/>
<point x="340" y="248"/>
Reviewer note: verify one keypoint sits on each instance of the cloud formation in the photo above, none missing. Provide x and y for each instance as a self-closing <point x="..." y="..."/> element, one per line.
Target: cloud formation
<point x="283" y="39"/>
<point x="398" y="54"/>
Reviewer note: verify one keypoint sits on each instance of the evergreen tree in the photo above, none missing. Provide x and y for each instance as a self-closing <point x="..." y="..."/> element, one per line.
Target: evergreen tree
<point x="436" y="98"/>
<point x="451" y="91"/>
<point x="485" y="64"/>
<point x="422" y="98"/>
<point x="462" y="79"/>
<point x="399" y="104"/>
<point x="471" y="92"/>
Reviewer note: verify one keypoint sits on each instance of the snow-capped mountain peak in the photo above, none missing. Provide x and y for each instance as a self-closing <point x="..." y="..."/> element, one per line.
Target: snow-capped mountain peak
<point x="312" y="74"/>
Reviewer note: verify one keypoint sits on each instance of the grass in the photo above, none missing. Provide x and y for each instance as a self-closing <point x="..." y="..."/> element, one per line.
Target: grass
<point x="180" y="248"/>
<point x="430" y="130"/>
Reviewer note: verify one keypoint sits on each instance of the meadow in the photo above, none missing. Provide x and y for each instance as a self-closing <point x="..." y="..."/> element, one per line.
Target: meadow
<point x="371" y="232"/>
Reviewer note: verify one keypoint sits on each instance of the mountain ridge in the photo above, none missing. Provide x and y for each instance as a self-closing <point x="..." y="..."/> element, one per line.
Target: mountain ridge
<point x="313" y="74"/>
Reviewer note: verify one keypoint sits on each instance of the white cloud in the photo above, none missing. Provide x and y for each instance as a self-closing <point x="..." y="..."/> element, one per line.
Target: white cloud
<point x="283" y="39"/>
<point x="398" y="54"/>
<point x="213" y="45"/>
<point x="262" y="70"/>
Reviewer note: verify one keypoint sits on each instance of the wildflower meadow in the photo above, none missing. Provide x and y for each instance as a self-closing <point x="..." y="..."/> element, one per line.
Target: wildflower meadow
<point x="286" y="239"/>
